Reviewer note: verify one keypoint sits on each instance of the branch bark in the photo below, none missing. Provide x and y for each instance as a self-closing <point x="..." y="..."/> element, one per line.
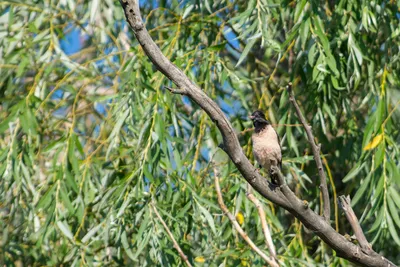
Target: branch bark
<point x="281" y="195"/>
<point x="355" y="225"/>
<point x="316" y="152"/>
<point x="176" y="245"/>
<point x="271" y="261"/>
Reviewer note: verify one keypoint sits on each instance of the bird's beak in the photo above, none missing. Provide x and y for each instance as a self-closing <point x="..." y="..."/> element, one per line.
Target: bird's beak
<point x="251" y="117"/>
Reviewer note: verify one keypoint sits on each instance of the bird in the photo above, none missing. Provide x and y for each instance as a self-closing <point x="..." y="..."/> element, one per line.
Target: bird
<point x="266" y="144"/>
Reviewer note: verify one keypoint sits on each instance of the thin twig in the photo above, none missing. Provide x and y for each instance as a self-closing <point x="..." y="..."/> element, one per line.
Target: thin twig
<point x="316" y="152"/>
<point x="176" y="91"/>
<point x="264" y="225"/>
<point x="237" y="226"/>
<point x="176" y="246"/>
<point x="355" y="225"/>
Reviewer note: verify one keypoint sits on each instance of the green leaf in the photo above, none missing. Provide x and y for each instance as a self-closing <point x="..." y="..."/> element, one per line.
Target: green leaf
<point x="395" y="196"/>
<point x="330" y="60"/>
<point x="55" y="144"/>
<point x="332" y="64"/>
<point x="380" y="114"/>
<point x="335" y="84"/>
<point x="246" y="50"/>
<point x="65" y="229"/>
<point x="148" y="174"/>
<point x="66" y="200"/>
<point x="28" y="121"/>
<point x="208" y="217"/>
<point x="299" y="9"/>
<point x="178" y="161"/>
<point x="321" y="34"/>
<point x="304" y="32"/>
<point x="187" y="11"/>
<point x="217" y="48"/>
<point x="393" y="211"/>
<point x="207" y="5"/>
<point x="94" y="8"/>
<point x="312" y="54"/>
<point x="91" y="233"/>
<point x="144" y="242"/>
<point x="71" y="154"/>
<point x="378" y="221"/>
<point x="184" y="210"/>
<point x="291" y="140"/>
<point x="291" y="35"/>
<point x="123" y="207"/>
<point x="369" y="129"/>
<point x="4" y="124"/>
<point x="159" y="126"/>
<point x="145" y="223"/>
<point x="354" y="171"/>
<point x="78" y="145"/>
<point x="392" y="230"/>
<point x="46" y="199"/>
<point x="379" y="154"/>
<point x="125" y="245"/>
<point x="303" y="159"/>
<point x="360" y="192"/>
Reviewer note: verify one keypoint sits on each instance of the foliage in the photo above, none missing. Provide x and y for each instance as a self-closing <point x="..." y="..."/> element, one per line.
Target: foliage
<point x="90" y="139"/>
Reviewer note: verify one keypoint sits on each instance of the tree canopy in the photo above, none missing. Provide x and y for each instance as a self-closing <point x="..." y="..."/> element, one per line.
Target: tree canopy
<point x="101" y="165"/>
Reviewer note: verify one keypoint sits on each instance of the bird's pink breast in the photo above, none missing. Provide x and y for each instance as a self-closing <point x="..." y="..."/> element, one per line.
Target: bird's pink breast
<point x="266" y="148"/>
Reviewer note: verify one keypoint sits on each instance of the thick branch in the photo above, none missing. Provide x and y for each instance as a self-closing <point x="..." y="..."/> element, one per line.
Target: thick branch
<point x="264" y="225"/>
<point x="316" y="152"/>
<point x="271" y="261"/>
<point x="176" y="245"/>
<point x="355" y="225"/>
<point x="289" y="201"/>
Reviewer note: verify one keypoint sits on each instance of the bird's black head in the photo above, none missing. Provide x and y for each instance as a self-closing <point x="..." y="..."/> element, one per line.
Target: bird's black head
<point x="259" y="120"/>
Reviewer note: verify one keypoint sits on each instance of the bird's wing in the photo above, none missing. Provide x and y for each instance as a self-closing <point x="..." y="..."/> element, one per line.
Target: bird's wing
<point x="279" y="142"/>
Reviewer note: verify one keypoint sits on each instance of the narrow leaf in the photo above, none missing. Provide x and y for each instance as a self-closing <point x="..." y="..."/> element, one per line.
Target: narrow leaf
<point x="246" y="50"/>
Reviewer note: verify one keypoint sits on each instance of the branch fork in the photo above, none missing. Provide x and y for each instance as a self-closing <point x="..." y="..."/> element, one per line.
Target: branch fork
<point x="355" y="225"/>
<point x="175" y="90"/>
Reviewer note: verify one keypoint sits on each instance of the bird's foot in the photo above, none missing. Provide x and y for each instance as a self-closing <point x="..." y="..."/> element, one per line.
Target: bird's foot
<point x="274" y="174"/>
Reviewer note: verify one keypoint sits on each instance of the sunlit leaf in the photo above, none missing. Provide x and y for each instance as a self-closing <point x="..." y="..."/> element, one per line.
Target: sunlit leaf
<point x="240" y="218"/>
<point x="374" y="143"/>
<point x="200" y="259"/>
<point x="65" y="229"/>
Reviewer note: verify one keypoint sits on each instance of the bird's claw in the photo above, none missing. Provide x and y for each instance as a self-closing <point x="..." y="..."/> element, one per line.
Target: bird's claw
<point x="273" y="170"/>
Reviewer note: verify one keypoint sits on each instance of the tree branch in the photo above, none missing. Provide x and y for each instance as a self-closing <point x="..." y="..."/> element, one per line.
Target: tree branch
<point x="286" y="199"/>
<point x="176" y="91"/>
<point x="176" y="246"/>
<point x="366" y="247"/>
<point x="355" y="225"/>
<point x="271" y="261"/>
<point x="316" y="152"/>
<point x="264" y="225"/>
